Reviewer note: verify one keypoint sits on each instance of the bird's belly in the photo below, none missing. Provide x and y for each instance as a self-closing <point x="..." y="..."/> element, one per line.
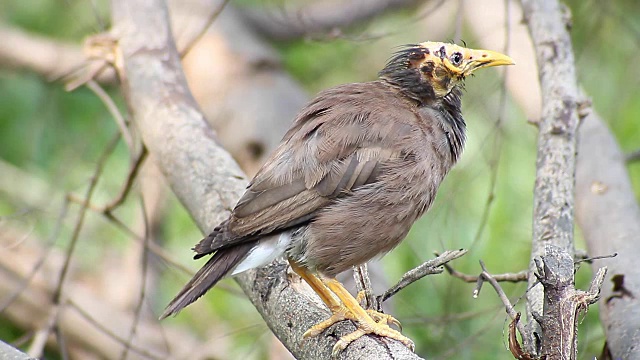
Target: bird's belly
<point x="356" y="229"/>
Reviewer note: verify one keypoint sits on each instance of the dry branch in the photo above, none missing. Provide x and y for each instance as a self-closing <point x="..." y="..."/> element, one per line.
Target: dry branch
<point x="562" y="303"/>
<point x="318" y="17"/>
<point x="609" y="216"/>
<point x="206" y="179"/>
<point x="433" y="266"/>
<point x="557" y="144"/>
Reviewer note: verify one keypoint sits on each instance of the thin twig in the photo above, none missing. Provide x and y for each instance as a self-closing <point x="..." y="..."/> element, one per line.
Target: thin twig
<point x="143" y="285"/>
<point x="81" y="216"/>
<point x="596" y="285"/>
<point x="363" y="285"/>
<point x="486" y="276"/>
<point x="48" y="246"/>
<point x="203" y="30"/>
<point x="114" y="111"/>
<point x="107" y="209"/>
<point x="57" y="293"/>
<point x="134" y="169"/>
<point x="62" y="343"/>
<point x="433" y="266"/>
<point x="36" y="349"/>
<point x="109" y="333"/>
<point x="95" y="66"/>
<point x="510" y="277"/>
<point x="514" y="344"/>
<point x="591" y="258"/>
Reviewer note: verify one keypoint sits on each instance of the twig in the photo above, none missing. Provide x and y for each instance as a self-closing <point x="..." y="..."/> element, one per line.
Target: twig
<point x="510" y="277"/>
<point x="83" y="210"/>
<point x="590" y="259"/>
<point x="109" y="333"/>
<point x="203" y="30"/>
<point x="114" y="111"/>
<point x="513" y="314"/>
<point x="57" y="293"/>
<point x="49" y="245"/>
<point x="514" y="344"/>
<point x="95" y="68"/>
<point x="134" y="169"/>
<point x="42" y="335"/>
<point x="100" y="52"/>
<point x="143" y="285"/>
<point x="363" y="285"/>
<point x="61" y="341"/>
<point x="433" y="266"/>
<point x="107" y="209"/>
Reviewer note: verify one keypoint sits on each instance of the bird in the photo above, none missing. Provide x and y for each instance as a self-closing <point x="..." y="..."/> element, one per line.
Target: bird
<point x="359" y="165"/>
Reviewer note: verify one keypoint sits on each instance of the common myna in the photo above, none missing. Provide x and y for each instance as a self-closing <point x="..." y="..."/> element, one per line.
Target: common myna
<point x="360" y="163"/>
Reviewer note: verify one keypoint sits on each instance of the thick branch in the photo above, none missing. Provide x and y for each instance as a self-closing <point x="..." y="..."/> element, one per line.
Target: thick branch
<point x="318" y="17"/>
<point x="563" y="303"/>
<point x="609" y="216"/>
<point x="555" y="176"/>
<point x="205" y="178"/>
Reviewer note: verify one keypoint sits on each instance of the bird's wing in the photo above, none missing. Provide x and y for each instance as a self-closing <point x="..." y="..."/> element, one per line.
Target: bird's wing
<point x="339" y="143"/>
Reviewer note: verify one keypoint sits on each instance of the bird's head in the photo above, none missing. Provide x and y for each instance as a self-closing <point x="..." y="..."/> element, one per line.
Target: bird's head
<point x="433" y="69"/>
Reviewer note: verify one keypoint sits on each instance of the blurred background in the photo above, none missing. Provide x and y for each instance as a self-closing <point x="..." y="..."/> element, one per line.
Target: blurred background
<point x="251" y="71"/>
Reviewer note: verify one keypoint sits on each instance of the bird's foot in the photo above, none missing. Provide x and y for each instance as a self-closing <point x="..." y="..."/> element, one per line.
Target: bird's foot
<point x="384" y="319"/>
<point x="377" y="316"/>
<point x="365" y="323"/>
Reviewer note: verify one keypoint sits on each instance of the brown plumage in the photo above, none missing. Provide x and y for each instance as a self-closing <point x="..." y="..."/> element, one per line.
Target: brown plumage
<point x="359" y="165"/>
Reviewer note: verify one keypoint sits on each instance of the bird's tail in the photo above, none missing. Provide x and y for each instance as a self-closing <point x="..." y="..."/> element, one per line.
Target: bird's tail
<point x="223" y="261"/>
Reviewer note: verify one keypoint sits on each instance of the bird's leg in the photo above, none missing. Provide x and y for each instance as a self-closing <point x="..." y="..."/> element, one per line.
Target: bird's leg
<point x="347" y="308"/>
<point x="338" y="311"/>
<point x="317" y="286"/>
<point x="365" y="324"/>
<point x="378" y="316"/>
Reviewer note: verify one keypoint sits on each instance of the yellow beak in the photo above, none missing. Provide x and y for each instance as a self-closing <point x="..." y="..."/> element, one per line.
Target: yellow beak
<point x="476" y="59"/>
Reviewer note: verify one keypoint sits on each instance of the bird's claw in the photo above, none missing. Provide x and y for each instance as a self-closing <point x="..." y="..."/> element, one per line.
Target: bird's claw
<point x="376" y="323"/>
<point x="378" y="316"/>
<point x="364" y="328"/>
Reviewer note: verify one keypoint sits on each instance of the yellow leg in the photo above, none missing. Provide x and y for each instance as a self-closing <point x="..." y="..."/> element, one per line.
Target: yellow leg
<point x="348" y="308"/>
<point x="364" y="322"/>
<point x="318" y="287"/>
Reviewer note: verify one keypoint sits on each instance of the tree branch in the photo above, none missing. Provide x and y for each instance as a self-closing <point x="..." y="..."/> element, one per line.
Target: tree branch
<point x="555" y="175"/>
<point x="206" y="179"/>
<point x="609" y="216"/>
<point x="433" y="266"/>
<point x="562" y="303"/>
<point x="318" y="17"/>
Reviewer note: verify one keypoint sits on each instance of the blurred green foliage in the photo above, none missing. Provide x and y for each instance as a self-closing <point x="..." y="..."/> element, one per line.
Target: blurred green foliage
<point x="57" y="137"/>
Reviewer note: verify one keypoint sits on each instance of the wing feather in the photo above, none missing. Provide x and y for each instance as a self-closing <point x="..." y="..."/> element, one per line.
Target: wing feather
<point x="326" y="154"/>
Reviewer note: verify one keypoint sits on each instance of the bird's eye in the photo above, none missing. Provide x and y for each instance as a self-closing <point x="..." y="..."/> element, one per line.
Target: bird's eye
<point x="456" y="58"/>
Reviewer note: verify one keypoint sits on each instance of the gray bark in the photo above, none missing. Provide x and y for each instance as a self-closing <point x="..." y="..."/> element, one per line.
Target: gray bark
<point x="609" y="216"/>
<point x="319" y="17"/>
<point x="7" y="352"/>
<point x="555" y="165"/>
<point x="207" y="180"/>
